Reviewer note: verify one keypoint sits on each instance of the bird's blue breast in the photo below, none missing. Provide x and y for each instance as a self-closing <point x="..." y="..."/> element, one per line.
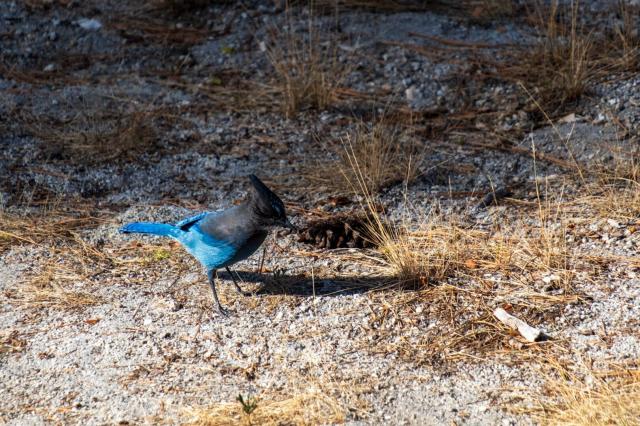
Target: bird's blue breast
<point x="209" y="251"/>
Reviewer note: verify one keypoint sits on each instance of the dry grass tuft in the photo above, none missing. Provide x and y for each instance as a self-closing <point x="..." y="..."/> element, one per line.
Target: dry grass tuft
<point x="307" y="69"/>
<point x="309" y="408"/>
<point x="626" y="40"/>
<point x="47" y="224"/>
<point x="564" y="59"/>
<point x="462" y="273"/>
<point x="385" y="155"/>
<point x="95" y="136"/>
<point x="567" y="51"/>
<point x="618" y="202"/>
<point x="380" y="154"/>
<point x="614" y="191"/>
<point x="70" y="259"/>
<point x="48" y="289"/>
<point x="599" y="398"/>
<point x="444" y="247"/>
<point x="428" y="253"/>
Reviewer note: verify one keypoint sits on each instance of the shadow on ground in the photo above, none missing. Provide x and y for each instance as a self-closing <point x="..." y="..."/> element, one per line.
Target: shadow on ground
<point x="276" y="283"/>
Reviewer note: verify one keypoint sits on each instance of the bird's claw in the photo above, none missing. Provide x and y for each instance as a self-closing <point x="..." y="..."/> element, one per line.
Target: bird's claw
<point x="224" y="312"/>
<point x="246" y="293"/>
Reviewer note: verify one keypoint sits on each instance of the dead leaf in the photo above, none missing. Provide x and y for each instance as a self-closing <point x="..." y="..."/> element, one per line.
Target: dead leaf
<point x="471" y="264"/>
<point x="569" y="118"/>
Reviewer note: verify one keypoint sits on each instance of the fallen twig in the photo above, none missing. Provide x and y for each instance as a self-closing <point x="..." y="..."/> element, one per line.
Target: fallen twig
<point x="531" y="334"/>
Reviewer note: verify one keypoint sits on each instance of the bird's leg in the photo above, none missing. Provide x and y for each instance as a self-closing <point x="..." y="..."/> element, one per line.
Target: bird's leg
<point x="235" y="282"/>
<point x="212" y="284"/>
<point x="264" y="253"/>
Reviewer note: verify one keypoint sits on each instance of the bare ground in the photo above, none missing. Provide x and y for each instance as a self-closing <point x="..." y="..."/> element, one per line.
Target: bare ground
<point x="162" y="112"/>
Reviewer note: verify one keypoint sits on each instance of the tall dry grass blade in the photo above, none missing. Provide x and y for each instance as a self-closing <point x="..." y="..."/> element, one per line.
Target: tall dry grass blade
<point x="591" y="398"/>
<point x="310" y="408"/>
<point x="308" y="70"/>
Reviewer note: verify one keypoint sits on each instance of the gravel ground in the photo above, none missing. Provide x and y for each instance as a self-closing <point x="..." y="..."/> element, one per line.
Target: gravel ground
<point x="147" y="347"/>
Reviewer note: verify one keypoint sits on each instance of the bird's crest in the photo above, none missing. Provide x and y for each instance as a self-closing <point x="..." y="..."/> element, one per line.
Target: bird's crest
<point x="269" y="202"/>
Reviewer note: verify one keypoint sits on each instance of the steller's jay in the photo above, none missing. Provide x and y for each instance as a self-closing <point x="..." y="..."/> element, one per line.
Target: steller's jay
<point x="220" y="239"/>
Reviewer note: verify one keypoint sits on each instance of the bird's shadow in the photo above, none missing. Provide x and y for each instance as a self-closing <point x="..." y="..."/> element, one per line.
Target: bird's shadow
<point x="303" y="285"/>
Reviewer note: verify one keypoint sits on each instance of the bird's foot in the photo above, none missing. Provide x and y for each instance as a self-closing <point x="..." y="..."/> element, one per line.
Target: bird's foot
<point x="223" y="311"/>
<point x="243" y="292"/>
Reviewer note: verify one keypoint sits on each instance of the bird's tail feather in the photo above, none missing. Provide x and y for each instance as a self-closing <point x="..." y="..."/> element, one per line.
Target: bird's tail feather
<point x="162" y="229"/>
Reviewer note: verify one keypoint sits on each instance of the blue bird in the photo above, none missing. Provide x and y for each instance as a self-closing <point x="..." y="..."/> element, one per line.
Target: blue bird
<point x="220" y="239"/>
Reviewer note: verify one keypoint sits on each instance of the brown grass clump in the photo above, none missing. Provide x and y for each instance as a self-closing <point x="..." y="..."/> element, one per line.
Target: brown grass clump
<point x="48" y="289"/>
<point x="380" y="154"/>
<point x="626" y="40"/>
<point x="384" y="154"/>
<point x="440" y="246"/>
<point x="443" y="247"/>
<point x="429" y="253"/>
<point x="564" y="59"/>
<point x="614" y="191"/>
<point x="559" y="67"/>
<point x="74" y="259"/>
<point x="600" y="398"/>
<point x="95" y="136"/>
<point x="618" y="202"/>
<point x="309" y="408"/>
<point x="567" y="51"/>
<point x="47" y="224"/>
<point x="462" y="273"/>
<point x="308" y="71"/>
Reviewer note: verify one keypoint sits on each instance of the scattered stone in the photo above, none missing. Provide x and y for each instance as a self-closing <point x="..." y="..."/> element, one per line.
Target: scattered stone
<point x="89" y="24"/>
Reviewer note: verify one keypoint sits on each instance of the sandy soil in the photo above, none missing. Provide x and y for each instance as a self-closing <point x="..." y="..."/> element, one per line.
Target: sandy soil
<point x="151" y="114"/>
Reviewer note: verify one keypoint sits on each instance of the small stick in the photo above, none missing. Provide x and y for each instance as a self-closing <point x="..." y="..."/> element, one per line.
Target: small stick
<point x="494" y="197"/>
<point x="264" y="253"/>
<point x="531" y="334"/>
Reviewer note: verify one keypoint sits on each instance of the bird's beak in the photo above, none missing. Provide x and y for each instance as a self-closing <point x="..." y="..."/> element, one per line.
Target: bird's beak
<point x="287" y="224"/>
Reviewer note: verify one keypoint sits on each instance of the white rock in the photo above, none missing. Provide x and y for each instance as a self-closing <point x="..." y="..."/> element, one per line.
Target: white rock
<point x="549" y="278"/>
<point x="89" y="24"/>
<point x="411" y="93"/>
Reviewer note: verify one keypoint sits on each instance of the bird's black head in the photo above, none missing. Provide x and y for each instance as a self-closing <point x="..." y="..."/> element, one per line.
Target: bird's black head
<point x="267" y="206"/>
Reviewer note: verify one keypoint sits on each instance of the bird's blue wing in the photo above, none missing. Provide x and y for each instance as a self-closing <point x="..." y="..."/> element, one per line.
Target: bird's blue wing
<point x="187" y="223"/>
